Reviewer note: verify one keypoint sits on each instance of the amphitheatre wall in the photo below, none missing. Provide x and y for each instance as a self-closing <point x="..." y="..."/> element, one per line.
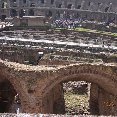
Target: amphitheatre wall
<point x="85" y="8"/>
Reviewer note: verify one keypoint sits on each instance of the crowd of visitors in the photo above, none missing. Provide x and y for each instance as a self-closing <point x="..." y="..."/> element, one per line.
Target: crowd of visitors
<point x="74" y="23"/>
<point x="67" y="23"/>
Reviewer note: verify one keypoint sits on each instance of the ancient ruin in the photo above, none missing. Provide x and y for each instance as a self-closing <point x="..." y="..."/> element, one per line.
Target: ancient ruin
<point x="37" y="76"/>
<point x="49" y="47"/>
<point x="40" y="90"/>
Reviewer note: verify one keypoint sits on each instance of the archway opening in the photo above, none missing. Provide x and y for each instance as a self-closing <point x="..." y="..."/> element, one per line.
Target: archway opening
<point x="69" y="6"/>
<point x="49" y="14"/>
<point x="13" y="13"/>
<point x="77" y="97"/>
<point x="106" y="9"/>
<point x="103" y="99"/>
<point x="8" y="94"/>
<point x="73" y="98"/>
<point x="22" y="12"/>
<point x="57" y="14"/>
<point x="32" y="5"/>
<point x="60" y="5"/>
<point x="79" y="6"/>
<point x="31" y="12"/>
<point x="42" y="1"/>
<point x="52" y="1"/>
<point x="3" y="17"/>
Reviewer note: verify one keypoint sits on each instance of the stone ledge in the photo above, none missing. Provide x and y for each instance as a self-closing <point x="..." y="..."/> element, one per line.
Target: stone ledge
<point x="44" y="115"/>
<point x="22" y="67"/>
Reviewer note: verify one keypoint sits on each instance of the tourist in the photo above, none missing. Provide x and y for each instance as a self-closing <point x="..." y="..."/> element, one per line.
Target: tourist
<point x="17" y="104"/>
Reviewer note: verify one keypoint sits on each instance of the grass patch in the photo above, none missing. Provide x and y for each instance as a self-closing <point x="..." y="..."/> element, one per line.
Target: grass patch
<point x="76" y="104"/>
<point x="91" y="31"/>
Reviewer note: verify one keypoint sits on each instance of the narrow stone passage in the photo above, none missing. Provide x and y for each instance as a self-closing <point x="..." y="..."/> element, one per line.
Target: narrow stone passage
<point x="7" y="95"/>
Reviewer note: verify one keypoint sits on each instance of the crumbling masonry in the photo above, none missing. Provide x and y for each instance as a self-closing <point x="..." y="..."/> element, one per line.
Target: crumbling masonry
<point x="40" y="89"/>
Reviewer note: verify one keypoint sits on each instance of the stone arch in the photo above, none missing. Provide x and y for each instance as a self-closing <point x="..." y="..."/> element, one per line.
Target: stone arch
<point x="32" y="5"/>
<point x="16" y="84"/>
<point x="49" y="13"/>
<point x="106" y="9"/>
<point x="69" y="6"/>
<point x="42" y="1"/>
<point x="31" y="12"/>
<point x="59" y="5"/>
<point x="99" y="75"/>
<point x="78" y="6"/>
<point x="7" y="94"/>
<point x="13" y="13"/>
<point x="3" y="17"/>
<point x="22" y="12"/>
<point x="102" y="76"/>
<point x="4" y="5"/>
<point x="57" y="14"/>
<point x="52" y="1"/>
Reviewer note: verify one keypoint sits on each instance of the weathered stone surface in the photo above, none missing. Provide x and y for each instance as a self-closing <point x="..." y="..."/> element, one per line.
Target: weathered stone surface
<point x="39" y="86"/>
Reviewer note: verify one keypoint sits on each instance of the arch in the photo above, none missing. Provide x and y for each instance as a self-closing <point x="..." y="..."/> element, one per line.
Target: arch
<point x="57" y="14"/>
<point x="13" y="13"/>
<point x="3" y="17"/>
<point x="69" y="6"/>
<point x="32" y="5"/>
<point x="16" y="84"/>
<point x="22" y="12"/>
<point x="49" y="13"/>
<point x="52" y="1"/>
<point x="102" y="76"/>
<point x="7" y="94"/>
<point x="42" y="1"/>
<point x="31" y="12"/>
<point x="4" y="5"/>
<point x="60" y="5"/>
<point x="24" y="1"/>
<point x="99" y="75"/>
<point x="106" y="9"/>
<point x="79" y="6"/>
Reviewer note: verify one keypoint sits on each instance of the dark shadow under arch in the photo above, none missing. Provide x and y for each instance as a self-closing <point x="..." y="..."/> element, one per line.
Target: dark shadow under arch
<point x="31" y="12"/>
<point x="49" y="13"/>
<point x="13" y="13"/>
<point x="7" y="78"/>
<point x="7" y="95"/>
<point x="22" y="13"/>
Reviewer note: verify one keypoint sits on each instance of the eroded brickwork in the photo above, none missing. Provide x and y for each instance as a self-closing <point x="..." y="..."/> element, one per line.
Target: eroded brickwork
<point x="40" y="90"/>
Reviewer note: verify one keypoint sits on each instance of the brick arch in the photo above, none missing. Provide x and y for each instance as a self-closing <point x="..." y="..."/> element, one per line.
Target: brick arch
<point x="16" y="85"/>
<point x="103" y="76"/>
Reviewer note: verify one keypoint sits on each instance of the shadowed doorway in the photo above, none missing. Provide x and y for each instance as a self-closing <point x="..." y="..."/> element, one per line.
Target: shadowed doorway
<point x="7" y="96"/>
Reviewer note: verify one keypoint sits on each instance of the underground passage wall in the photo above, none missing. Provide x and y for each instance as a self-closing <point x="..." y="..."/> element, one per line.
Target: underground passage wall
<point x="7" y="97"/>
<point x="100" y="103"/>
<point x="47" y="92"/>
<point x="54" y="101"/>
<point x="103" y="91"/>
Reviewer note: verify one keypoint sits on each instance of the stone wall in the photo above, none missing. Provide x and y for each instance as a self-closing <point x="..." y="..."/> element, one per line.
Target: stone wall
<point x="48" y="8"/>
<point x="40" y="89"/>
<point x="101" y="102"/>
<point x="54" y="101"/>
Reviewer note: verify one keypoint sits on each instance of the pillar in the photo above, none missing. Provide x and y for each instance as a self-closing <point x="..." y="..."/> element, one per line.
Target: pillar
<point x="94" y="107"/>
<point x="102" y="102"/>
<point x="58" y="98"/>
<point x="107" y="103"/>
<point x="53" y="102"/>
